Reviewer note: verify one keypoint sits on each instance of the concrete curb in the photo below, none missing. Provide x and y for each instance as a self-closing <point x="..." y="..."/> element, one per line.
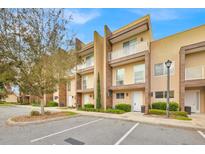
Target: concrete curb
<point x="148" y="122"/>
<point x="10" y="122"/>
<point x="187" y="124"/>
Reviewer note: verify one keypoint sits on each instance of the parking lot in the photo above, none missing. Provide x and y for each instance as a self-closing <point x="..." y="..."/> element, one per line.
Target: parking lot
<point x="89" y="130"/>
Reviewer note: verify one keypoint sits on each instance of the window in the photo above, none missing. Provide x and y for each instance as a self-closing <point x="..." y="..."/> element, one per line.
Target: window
<point x="171" y="94"/>
<point x="129" y="46"/>
<point x="89" y="60"/>
<point x="69" y="86"/>
<point x="159" y="94"/>
<point x="120" y="76"/>
<point x="120" y="95"/>
<point x="161" y="69"/>
<point x="163" y="94"/>
<point x="139" y="73"/>
<point x="85" y="78"/>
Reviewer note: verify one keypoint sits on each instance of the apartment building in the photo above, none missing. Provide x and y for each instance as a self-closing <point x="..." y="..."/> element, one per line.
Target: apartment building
<point x="131" y="67"/>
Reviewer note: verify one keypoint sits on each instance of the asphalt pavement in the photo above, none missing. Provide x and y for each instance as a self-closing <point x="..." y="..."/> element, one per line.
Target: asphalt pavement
<point x="81" y="130"/>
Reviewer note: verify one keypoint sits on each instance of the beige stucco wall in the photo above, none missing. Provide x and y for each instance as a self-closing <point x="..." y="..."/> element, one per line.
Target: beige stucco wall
<point x="91" y="98"/>
<point x="72" y="87"/>
<point x="168" y="48"/>
<point x="127" y="99"/>
<point x="98" y="65"/>
<point x="128" y="74"/>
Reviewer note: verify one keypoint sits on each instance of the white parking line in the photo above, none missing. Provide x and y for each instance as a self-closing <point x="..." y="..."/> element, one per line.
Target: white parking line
<point x="41" y="138"/>
<point x="201" y="133"/>
<point x="126" y="134"/>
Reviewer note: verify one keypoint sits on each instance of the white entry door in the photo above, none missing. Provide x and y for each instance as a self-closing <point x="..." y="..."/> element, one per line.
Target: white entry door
<point x="192" y="98"/>
<point x="86" y="99"/>
<point x="70" y="103"/>
<point x="137" y="100"/>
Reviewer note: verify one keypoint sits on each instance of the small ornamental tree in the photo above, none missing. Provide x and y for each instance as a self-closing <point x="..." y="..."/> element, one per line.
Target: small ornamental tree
<point x="36" y="42"/>
<point x="98" y="99"/>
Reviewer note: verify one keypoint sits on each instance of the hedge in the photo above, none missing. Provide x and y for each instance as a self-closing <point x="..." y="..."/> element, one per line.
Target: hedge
<point x="179" y="113"/>
<point x="124" y="107"/>
<point x="157" y="112"/>
<point x="89" y="105"/>
<point x="172" y="113"/>
<point x="173" y="106"/>
<point x="52" y="104"/>
<point x="116" y="111"/>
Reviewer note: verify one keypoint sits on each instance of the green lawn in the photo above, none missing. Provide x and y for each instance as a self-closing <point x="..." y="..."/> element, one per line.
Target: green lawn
<point x="6" y="104"/>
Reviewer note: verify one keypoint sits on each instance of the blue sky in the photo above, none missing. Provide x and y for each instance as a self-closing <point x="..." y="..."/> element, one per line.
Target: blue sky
<point x="164" y="21"/>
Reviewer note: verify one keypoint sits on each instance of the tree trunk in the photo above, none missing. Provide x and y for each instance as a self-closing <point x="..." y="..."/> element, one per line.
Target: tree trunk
<point x="42" y="106"/>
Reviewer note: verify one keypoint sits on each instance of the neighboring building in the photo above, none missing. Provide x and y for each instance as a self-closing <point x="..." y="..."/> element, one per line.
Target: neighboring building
<point x="10" y="95"/>
<point x="132" y="70"/>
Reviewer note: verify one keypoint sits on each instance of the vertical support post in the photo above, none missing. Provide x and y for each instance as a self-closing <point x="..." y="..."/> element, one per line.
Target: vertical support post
<point x="168" y="89"/>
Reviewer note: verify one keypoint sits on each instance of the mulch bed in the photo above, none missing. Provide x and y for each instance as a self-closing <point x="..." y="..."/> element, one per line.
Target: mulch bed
<point x="41" y="117"/>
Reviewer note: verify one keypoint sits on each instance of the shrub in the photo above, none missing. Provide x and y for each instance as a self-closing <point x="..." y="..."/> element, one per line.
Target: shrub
<point x="89" y="105"/>
<point x="35" y="103"/>
<point x="35" y="113"/>
<point x="124" y="107"/>
<point x="21" y="102"/>
<point x="157" y="112"/>
<point x="52" y="104"/>
<point x="159" y="105"/>
<point x="173" y="106"/>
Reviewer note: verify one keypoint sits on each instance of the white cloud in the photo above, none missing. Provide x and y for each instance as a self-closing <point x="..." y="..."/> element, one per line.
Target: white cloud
<point x="82" y="17"/>
<point x="158" y="14"/>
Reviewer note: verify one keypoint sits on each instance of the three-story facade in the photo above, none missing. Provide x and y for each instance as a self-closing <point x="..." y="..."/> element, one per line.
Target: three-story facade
<point x="131" y="68"/>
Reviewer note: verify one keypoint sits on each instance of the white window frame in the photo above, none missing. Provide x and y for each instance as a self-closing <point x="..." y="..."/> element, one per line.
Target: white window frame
<point x="138" y="69"/>
<point x="164" y="94"/>
<point x="164" y="69"/>
<point x="84" y="82"/>
<point x="89" y="60"/>
<point x="120" y="81"/>
<point x="130" y="44"/>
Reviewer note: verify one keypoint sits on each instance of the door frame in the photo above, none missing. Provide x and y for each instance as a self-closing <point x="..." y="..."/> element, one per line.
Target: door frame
<point x="133" y="100"/>
<point x="68" y="103"/>
<point x="199" y="99"/>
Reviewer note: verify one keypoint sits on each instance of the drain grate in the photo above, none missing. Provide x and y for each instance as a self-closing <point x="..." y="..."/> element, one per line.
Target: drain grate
<point x="74" y="141"/>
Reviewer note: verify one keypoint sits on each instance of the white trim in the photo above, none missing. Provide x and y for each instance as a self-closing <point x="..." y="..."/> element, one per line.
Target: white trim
<point x="198" y="111"/>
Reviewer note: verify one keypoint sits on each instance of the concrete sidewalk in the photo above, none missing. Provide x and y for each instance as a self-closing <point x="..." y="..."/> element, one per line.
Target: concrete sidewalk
<point x="197" y="122"/>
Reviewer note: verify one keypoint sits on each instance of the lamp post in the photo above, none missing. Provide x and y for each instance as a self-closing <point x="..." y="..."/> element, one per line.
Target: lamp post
<point x="168" y="65"/>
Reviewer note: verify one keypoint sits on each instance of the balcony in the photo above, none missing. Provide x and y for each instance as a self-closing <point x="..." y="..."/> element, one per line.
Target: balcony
<point x="131" y="50"/>
<point x="85" y="68"/>
<point x="85" y="65"/>
<point x="195" y="73"/>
